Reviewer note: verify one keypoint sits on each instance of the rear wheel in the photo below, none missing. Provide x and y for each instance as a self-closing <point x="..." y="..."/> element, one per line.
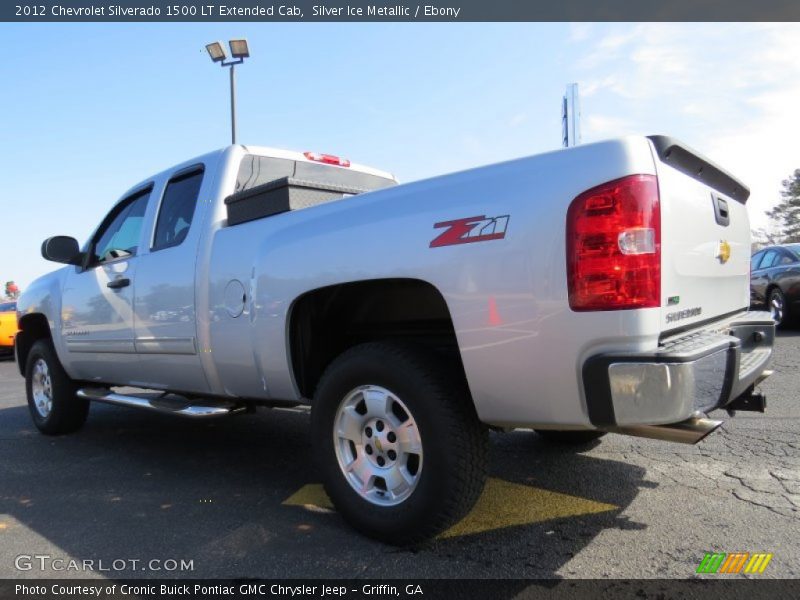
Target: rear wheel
<point x="51" y="393"/>
<point x="402" y="453"/>
<point x="778" y="307"/>
<point x="572" y="438"/>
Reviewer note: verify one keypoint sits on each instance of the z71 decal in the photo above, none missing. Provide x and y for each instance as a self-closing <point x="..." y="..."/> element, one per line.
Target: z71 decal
<point x="471" y="229"/>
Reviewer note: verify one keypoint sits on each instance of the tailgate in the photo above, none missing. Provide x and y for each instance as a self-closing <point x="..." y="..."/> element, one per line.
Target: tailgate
<point x="705" y="238"/>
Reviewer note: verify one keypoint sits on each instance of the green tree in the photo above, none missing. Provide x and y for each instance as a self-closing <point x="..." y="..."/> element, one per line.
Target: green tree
<point x="787" y="213"/>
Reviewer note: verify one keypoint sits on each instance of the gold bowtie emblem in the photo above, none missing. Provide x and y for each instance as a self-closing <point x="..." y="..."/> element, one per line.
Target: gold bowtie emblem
<point x="724" y="251"/>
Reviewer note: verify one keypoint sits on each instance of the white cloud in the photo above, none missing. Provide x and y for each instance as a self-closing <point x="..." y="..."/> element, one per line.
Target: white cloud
<point x="730" y="90"/>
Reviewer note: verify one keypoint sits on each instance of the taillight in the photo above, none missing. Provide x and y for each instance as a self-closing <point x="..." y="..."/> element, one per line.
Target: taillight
<point x="328" y="159"/>
<point x="614" y="246"/>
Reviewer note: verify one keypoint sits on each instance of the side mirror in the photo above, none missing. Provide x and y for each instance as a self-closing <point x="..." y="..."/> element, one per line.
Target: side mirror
<point x="62" y="249"/>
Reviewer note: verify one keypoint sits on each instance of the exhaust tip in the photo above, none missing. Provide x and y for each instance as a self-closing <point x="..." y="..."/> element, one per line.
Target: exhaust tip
<point x="690" y="431"/>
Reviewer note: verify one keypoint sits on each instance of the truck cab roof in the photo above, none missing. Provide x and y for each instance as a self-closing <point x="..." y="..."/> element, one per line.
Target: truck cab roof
<point x="260" y="151"/>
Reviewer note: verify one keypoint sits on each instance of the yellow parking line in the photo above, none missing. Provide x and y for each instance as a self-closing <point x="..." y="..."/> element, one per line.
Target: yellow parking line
<point x="310" y="495"/>
<point x="502" y="504"/>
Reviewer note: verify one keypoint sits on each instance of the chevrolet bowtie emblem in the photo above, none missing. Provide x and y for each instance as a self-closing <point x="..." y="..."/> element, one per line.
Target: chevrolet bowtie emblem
<point x="724" y="251"/>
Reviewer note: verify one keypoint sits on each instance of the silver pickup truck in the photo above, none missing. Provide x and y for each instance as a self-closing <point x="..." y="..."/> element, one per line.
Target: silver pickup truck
<point x="602" y="288"/>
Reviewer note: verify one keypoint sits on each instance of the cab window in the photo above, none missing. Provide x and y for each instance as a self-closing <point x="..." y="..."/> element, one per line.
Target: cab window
<point x="177" y="209"/>
<point x="119" y="235"/>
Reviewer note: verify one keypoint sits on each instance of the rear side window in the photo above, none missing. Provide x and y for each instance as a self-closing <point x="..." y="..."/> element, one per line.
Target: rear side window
<point x="118" y="237"/>
<point x="177" y="209"/>
<point x="786" y="259"/>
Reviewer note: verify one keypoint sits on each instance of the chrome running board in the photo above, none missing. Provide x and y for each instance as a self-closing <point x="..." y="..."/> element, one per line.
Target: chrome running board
<point x="168" y="404"/>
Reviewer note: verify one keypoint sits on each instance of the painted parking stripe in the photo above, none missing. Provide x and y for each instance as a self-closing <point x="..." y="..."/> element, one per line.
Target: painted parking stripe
<point x="502" y="504"/>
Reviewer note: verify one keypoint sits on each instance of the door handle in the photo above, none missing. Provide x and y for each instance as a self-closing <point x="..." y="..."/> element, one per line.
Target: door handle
<point x="119" y="283"/>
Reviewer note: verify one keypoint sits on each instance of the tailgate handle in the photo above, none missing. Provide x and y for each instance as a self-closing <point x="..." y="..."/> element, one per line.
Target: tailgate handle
<point x="721" y="212"/>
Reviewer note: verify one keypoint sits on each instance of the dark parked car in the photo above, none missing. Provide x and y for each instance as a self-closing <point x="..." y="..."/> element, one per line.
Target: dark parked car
<point x="775" y="281"/>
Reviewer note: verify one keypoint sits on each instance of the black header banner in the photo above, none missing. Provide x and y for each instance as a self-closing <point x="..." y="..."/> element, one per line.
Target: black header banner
<point x="434" y="10"/>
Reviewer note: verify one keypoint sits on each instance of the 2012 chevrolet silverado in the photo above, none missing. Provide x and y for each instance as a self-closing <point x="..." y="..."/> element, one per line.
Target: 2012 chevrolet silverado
<point x="601" y="288"/>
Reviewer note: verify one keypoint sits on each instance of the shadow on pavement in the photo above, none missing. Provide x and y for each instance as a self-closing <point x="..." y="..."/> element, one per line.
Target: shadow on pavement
<point x="133" y="485"/>
<point x="788" y="332"/>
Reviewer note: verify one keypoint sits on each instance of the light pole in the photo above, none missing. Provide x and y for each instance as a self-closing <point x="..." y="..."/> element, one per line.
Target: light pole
<point x="239" y="51"/>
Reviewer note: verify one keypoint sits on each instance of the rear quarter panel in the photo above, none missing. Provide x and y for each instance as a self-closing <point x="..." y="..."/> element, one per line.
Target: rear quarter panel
<point x="521" y="345"/>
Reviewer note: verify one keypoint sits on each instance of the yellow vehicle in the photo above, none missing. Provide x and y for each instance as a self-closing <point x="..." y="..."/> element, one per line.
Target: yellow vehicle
<point x="8" y="326"/>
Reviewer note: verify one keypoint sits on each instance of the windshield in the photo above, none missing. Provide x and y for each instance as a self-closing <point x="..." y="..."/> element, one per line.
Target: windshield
<point x="8" y="306"/>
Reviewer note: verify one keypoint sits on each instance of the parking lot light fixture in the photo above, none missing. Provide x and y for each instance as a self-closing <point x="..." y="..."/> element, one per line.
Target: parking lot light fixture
<point x="239" y="51"/>
<point x="216" y="51"/>
<point x="239" y="48"/>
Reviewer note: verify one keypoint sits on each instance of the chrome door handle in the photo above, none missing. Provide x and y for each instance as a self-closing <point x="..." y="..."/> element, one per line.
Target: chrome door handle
<point x="119" y="283"/>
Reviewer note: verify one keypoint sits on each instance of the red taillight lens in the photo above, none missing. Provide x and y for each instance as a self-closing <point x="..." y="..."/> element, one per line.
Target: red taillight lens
<point x="328" y="159"/>
<point x="614" y="246"/>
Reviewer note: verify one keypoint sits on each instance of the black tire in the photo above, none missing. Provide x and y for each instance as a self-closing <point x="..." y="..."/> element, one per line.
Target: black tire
<point x="777" y="306"/>
<point x="67" y="413"/>
<point x="454" y="442"/>
<point x="571" y="438"/>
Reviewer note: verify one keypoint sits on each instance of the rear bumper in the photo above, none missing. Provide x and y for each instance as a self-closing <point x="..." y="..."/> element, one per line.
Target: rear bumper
<point x="698" y="371"/>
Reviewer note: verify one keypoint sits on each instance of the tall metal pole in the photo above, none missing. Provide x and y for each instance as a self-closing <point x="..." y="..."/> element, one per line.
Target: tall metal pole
<point x="233" y="106"/>
<point x="571" y="117"/>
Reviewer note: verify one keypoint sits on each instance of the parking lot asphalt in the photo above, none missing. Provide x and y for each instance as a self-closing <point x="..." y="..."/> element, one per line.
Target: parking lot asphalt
<point x="239" y="498"/>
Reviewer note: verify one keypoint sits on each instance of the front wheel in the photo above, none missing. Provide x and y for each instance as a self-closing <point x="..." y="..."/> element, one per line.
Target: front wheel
<point x="400" y="448"/>
<point x="777" y="307"/>
<point x="51" y="393"/>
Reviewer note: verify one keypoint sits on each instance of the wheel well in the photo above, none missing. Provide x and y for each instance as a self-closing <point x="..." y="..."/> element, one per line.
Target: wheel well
<point x="327" y="321"/>
<point x="32" y="327"/>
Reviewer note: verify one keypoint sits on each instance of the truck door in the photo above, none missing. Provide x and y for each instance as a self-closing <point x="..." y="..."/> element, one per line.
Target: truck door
<point x="97" y="302"/>
<point x="165" y="318"/>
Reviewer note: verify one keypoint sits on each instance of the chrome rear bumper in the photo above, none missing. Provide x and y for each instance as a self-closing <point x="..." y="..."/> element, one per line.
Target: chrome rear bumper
<point x="688" y="374"/>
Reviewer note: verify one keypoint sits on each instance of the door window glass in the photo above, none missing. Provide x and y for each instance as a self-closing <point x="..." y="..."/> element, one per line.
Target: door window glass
<point x="755" y="260"/>
<point x="119" y="236"/>
<point x="177" y="210"/>
<point x="769" y="258"/>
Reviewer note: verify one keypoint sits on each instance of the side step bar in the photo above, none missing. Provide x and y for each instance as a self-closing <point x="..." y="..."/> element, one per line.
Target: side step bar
<point x="171" y="404"/>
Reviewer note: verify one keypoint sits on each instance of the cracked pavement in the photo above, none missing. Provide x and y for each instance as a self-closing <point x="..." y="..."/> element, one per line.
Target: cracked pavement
<point x="137" y="485"/>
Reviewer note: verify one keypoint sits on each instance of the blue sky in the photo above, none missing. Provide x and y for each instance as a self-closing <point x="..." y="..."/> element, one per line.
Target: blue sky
<point x="86" y="110"/>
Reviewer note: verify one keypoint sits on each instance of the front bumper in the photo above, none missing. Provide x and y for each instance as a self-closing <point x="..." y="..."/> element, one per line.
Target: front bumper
<point x="698" y="371"/>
